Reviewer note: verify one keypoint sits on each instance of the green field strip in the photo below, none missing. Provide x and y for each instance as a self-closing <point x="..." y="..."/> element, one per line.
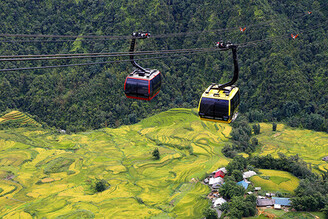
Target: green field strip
<point x="208" y="149"/>
<point x="18" y="117"/>
<point x="182" y="209"/>
<point x="7" y="187"/>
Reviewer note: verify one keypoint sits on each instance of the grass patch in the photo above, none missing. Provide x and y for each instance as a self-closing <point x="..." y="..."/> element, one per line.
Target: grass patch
<point x="77" y="214"/>
<point x="60" y="164"/>
<point x="275" y="180"/>
<point x="278" y="179"/>
<point x="278" y="213"/>
<point x="301" y="215"/>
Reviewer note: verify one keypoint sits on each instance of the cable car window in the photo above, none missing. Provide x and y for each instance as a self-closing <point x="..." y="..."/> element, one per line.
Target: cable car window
<point x="143" y="88"/>
<point x="221" y="108"/>
<point x="238" y="97"/>
<point x="157" y="82"/>
<point x="207" y="107"/>
<point x="214" y="108"/>
<point x="235" y="102"/>
<point x="131" y="86"/>
<point x="151" y="88"/>
<point x="232" y="105"/>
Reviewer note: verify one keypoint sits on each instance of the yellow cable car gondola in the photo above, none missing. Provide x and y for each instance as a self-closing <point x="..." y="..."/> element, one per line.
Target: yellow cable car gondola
<point x="220" y="103"/>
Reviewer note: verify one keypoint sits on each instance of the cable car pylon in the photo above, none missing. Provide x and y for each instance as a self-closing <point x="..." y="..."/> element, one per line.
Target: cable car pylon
<point x="220" y="103"/>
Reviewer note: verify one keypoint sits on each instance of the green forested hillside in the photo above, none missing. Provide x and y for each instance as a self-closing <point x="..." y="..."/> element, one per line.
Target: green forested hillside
<point x="281" y="78"/>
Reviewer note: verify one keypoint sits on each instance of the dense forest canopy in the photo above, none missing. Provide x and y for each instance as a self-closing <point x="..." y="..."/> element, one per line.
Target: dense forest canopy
<point x="280" y="78"/>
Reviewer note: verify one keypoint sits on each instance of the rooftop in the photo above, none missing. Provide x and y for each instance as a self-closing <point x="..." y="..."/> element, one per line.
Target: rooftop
<point x="248" y="174"/>
<point x="243" y="183"/>
<point x="263" y="202"/>
<point x="282" y="201"/>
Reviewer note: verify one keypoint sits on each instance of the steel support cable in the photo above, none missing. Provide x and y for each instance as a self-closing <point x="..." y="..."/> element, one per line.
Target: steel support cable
<point x="247" y="44"/>
<point x="106" y="62"/>
<point x="155" y="36"/>
<point x="95" y="54"/>
<point x="149" y="52"/>
<point x="105" y="37"/>
<point x="118" y="54"/>
<point x="105" y="56"/>
<point x="301" y="15"/>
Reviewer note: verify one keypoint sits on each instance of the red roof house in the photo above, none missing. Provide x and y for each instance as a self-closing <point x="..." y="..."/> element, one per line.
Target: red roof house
<point x="219" y="174"/>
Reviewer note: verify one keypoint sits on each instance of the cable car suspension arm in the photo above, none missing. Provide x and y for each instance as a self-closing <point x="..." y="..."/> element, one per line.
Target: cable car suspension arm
<point x="137" y="35"/>
<point x="233" y="47"/>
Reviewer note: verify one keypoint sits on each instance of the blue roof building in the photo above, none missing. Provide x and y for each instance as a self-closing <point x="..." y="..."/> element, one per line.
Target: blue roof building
<point x="282" y="201"/>
<point x="243" y="184"/>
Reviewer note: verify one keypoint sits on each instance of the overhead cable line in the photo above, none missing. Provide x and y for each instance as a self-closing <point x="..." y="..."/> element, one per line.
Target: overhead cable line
<point x="155" y="36"/>
<point x="167" y="53"/>
<point x="190" y="52"/>
<point x="98" y="54"/>
<point x="98" y="63"/>
<point x="104" y="56"/>
<point x="119" y="54"/>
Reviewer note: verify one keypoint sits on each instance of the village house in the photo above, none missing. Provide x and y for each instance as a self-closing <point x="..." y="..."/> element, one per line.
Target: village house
<point x="219" y="201"/>
<point x="277" y="202"/>
<point x="243" y="183"/>
<point x="282" y="201"/>
<point x="269" y="194"/>
<point x="248" y="174"/>
<point x="217" y="180"/>
<point x="277" y="206"/>
<point x="220" y="173"/>
<point x="223" y="169"/>
<point x="264" y="202"/>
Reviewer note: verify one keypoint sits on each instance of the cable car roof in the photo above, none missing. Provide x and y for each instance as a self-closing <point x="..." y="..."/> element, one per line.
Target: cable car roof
<point x="226" y="94"/>
<point x="137" y="74"/>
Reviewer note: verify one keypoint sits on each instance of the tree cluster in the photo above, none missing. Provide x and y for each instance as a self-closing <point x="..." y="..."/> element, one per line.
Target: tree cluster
<point x="241" y="137"/>
<point x="312" y="194"/>
<point x="238" y="206"/>
<point x="99" y="185"/>
<point x="292" y="164"/>
<point x="242" y="207"/>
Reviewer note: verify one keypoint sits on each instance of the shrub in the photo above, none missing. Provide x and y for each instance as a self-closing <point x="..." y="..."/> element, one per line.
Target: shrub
<point x="100" y="185"/>
<point x="156" y="154"/>
<point x="256" y="129"/>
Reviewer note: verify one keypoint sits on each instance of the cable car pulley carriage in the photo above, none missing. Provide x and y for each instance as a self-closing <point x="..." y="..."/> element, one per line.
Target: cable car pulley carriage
<point x="142" y="83"/>
<point x="220" y="103"/>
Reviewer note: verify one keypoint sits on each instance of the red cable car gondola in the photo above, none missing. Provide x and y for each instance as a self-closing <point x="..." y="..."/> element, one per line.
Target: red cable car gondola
<point x="142" y="84"/>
